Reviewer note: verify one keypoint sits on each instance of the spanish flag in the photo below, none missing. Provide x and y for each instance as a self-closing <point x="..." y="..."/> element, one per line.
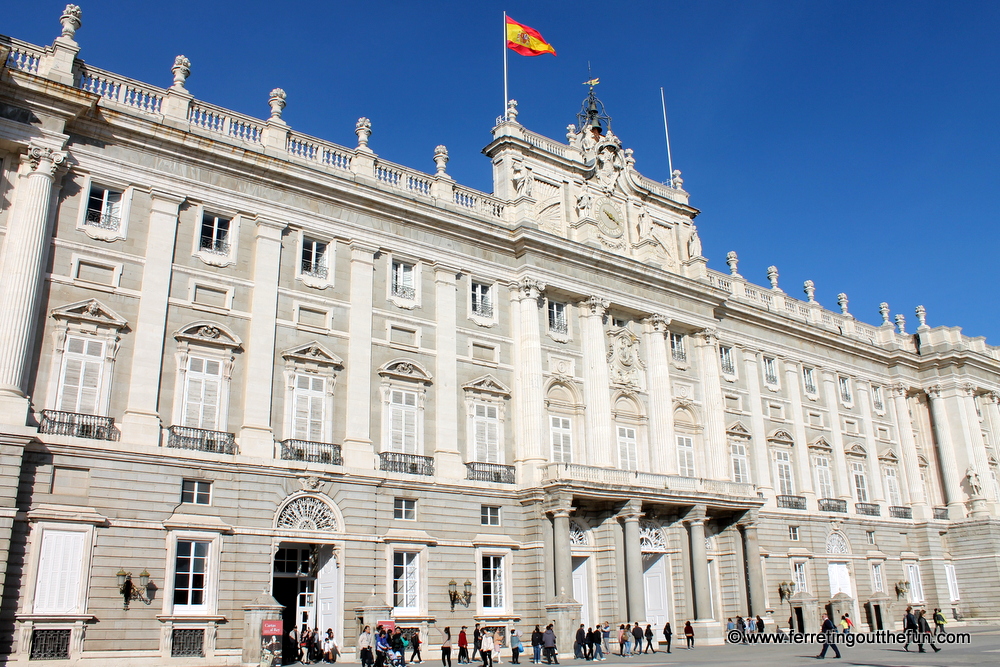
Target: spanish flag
<point x="526" y="41"/>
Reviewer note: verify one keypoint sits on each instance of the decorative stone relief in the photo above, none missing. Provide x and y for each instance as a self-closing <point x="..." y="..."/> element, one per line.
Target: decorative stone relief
<point x="577" y="535"/>
<point x="307" y="513"/>
<point x="651" y="537"/>
<point x="71" y="19"/>
<point x="623" y="360"/>
<point x="836" y="543"/>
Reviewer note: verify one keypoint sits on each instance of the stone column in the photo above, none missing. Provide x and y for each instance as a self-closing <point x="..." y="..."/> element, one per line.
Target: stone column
<point x="755" y="575"/>
<point x="563" y="565"/>
<point x="662" y="445"/>
<point x="845" y="483"/>
<point x="141" y="421"/>
<point x="878" y="492"/>
<point x="953" y="495"/>
<point x="992" y="411"/>
<point x="600" y="436"/>
<point x="803" y="465"/>
<point x="908" y="451"/>
<point x="357" y="449"/>
<point x="447" y="458"/>
<point x="22" y="261"/>
<point x="636" y="586"/>
<point x="714" y="414"/>
<point x="758" y="444"/>
<point x="976" y="444"/>
<point x="257" y="435"/>
<point x="699" y="562"/>
<point x="532" y="450"/>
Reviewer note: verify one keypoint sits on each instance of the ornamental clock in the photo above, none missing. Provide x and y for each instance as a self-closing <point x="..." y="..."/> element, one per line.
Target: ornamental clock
<point x="609" y="219"/>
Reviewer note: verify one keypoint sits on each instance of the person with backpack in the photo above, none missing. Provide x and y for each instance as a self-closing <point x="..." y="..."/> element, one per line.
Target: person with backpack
<point x="536" y="645"/>
<point x="939" y="621"/>
<point x="415" y="645"/>
<point x="549" y="644"/>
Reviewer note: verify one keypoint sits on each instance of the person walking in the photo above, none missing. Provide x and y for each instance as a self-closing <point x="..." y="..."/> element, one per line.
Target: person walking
<point x="594" y="638"/>
<point x="621" y="640"/>
<point x="668" y="634"/>
<point x="536" y="645"/>
<point x="939" y="622"/>
<point x="398" y="645"/>
<point x="515" y="647"/>
<point x="829" y="629"/>
<point x="689" y="634"/>
<point x="382" y="647"/>
<point x="477" y="641"/>
<point x="331" y="649"/>
<point x="415" y="645"/>
<point x="486" y="648"/>
<point x="497" y="645"/>
<point x="628" y="640"/>
<point x="760" y="624"/>
<point x="463" y="646"/>
<point x="446" y="648"/>
<point x="637" y="638"/>
<point x="549" y="644"/>
<point x="924" y="628"/>
<point x="649" y="634"/>
<point x="365" y="643"/>
<point x="580" y="641"/>
<point x="909" y="627"/>
<point x="741" y="628"/>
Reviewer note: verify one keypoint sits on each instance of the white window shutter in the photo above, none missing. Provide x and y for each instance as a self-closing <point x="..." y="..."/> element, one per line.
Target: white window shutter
<point x="80" y="384"/>
<point x="59" y="569"/>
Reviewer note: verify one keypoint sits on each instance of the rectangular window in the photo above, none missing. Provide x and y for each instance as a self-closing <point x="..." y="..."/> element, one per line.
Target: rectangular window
<point x="741" y="468"/>
<point x="627" y="448"/>
<point x="877" y="399"/>
<point x="845" y="389"/>
<point x="870" y="537"/>
<point x="557" y="318"/>
<point x="783" y="473"/>
<point x="403" y="285"/>
<point x="486" y="426"/>
<point x="215" y="234"/>
<point x="492" y="582"/>
<point x="562" y="439"/>
<point x="190" y="573"/>
<point x="892" y="487"/>
<point x="309" y="401"/>
<point x="860" y="481"/>
<point x="482" y="299"/>
<point x="793" y="533"/>
<point x="405" y="582"/>
<point x="677" y="347"/>
<point x="799" y="577"/>
<point x="80" y="382"/>
<point x="877" y="582"/>
<point x="851" y="426"/>
<point x="685" y="456"/>
<point x="489" y="515"/>
<point x="949" y="573"/>
<point x="916" y="585"/>
<point x="824" y="480"/>
<point x="809" y="379"/>
<point x="404" y="508"/>
<point x="60" y="567"/>
<point x="726" y="360"/>
<point x="202" y="389"/>
<point x="770" y="371"/>
<point x="196" y="492"/>
<point x="104" y="208"/>
<point x="403" y="421"/>
<point x="314" y="258"/>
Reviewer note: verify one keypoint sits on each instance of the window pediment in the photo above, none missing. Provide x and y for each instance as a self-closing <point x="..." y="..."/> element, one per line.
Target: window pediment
<point x="739" y="429"/>
<point x="405" y="369"/>
<point x="90" y="312"/>
<point x="312" y="353"/>
<point x="889" y="457"/>
<point x="487" y="384"/>
<point x="209" y="333"/>
<point x="781" y="437"/>
<point x="855" y="450"/>
<point x="821" y="444"/>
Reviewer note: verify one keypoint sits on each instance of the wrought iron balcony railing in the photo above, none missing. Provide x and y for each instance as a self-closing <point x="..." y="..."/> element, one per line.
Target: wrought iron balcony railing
<point x="728" y="368"/>
<point x="941" y="513"/>
<point x="832" y="505"/>
<point x="185" y="437"/>
<point x="898" y="512"/>
<point x="412" y="464"/>
<point x="868" y="509"/>
<point x="314" y="269"/>
<point x="489" y="472"/>
<point x="103" y="220"/>
<point x="215" y="246"/>
<point x="482" y="309"/>
<point x="95" y="427"/>
<point x="792" y="502"/>
<point x="404" y="291"/>
<point x="313" y="452"/>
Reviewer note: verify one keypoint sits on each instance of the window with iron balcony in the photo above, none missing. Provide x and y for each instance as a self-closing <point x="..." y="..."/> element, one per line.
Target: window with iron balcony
<point x="726" y="360"/>
<point x="403" y="283"/>
<point x="482" y="300"/>
<point x="215" y="234"/>
<point x="313" y="262"/>
<point x="557" y="318"/>
<point x="104" y="208"/>
<point x="677" y="350"/>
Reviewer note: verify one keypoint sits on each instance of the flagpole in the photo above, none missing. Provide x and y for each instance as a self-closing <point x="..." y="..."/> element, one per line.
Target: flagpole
<point x="505" y="65"/>
<point x="666" y="132"/>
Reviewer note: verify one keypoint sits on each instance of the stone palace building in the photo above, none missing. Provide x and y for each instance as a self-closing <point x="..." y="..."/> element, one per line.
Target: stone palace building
<point x="249" y="374"/>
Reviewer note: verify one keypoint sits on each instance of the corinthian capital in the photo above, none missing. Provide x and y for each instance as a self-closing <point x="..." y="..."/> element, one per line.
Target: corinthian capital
<point x="527" y="288"/>
<point x="657" y="322"/>
<point x="596" y="305"/>
<point x="709" y="336"/>
<point x="934" y="391"/>
<point x="43" y="159"/>
<point x="898" y="389"/>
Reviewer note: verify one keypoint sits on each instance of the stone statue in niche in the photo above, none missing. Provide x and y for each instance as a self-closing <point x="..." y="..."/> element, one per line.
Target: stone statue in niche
<point x="694" y="244"/>
<point x="523" y="179"/>
<point x="608" y="167"/>
<point x="973" y="477"/>
<point x="583" y="204"/>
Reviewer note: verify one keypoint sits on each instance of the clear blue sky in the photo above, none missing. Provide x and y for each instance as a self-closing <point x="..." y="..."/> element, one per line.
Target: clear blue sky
<point x="853" y="143"/>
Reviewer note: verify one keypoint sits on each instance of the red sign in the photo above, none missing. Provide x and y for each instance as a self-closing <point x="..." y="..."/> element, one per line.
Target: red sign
<point x="271" y="628"/>
<point x="388" y="625"/>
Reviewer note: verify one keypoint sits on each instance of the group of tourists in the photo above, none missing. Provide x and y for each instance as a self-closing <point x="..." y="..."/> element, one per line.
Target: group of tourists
<point x="746" y="625"/>
<point x="387" y="647"/>
<point x="312" y="646"/>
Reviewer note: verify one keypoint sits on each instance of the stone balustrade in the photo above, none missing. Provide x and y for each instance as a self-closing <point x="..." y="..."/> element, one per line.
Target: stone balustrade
<point x="24" y="57"/>
<point x="120" y="91"/>
<point x="573" y="472"/>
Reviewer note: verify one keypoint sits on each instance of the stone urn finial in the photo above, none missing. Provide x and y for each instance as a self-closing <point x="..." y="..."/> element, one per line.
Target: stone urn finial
<point x="809" y="287"/>
<point x="71" y="19"/>
<point x="277" y="101"/>
<point x="512" y="111"/>
<point x="772" y="276"/>
<point x="733" y="261"/>
<point x="901" y="323"/>
<point x="181" y="70"/>
<point x="441" y="159"/>
<point x="363" y="128"/>
<point x="921" y="317"/>
<point x="676" y="182"/>
<point x="883" y="310"/>
<point x="842" y="302"/>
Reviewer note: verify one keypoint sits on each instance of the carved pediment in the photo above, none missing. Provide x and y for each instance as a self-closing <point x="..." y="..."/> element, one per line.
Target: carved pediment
<point x="91" y="311"/>
<point x="737" y="428"/>
<point x="821" y="444"/>
<point x="405" y="369"/>
<point x="856" y="449"/>
<point x="921" y="461"/>
<point x="781" y="436"/>
<point x="889" y="457"/>
<point x="208" y="333"/>
<point x="314" y="353"/>
<point x="487" y="384"/>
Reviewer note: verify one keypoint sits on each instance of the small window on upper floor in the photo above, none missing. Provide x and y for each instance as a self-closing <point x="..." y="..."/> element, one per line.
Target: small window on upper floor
<point x="489" y="515"/>
<point x="878" y="402"/>
<point x="196" y="492"/>
<point x="215" y="234"/>
<point x="404" y="508"/>
<point x="809" y="379"/>
<point x="314" y="258"/>
<point x="104" y="208"/>
<point x="481" y="304"/>
<point x="845" y="389"/>
<point x="558" y="323"/>
<point x="726" y="360"/>
<point x="793" y="533"/>
<point x="620" y="323"/>
<point x="677" y="350"/>
<point x="770" y="371"/>
<point x="403" y="283"/>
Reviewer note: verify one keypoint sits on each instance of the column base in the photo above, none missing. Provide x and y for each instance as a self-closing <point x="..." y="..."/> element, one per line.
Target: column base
<point x="921" y="512"/>
<point x="979" y="508"/>
<point x="257" y="441"/>
<point x="142" y="428"/>
<point x="956" y="511"/>
<point x="449" y="465"/>
<point x="358" y="454"/>
<point x="530" y="471"/>
<point x="707" y="632"/>
<point x="14" y="409"/>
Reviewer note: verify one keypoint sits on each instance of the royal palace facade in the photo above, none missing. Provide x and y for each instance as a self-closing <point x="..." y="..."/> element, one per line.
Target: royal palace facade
<point x="249" y="374"/>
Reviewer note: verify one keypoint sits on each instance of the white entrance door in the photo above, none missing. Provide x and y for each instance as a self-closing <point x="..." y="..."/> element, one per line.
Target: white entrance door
<point x="327" y="591"/>
<point x="581" y="587"/>
<point x="840" y="579"/>
<point x="654" y="579"/>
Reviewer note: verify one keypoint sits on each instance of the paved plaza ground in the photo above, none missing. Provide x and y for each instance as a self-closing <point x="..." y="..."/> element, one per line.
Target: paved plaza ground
<point x="984" y="649"/>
